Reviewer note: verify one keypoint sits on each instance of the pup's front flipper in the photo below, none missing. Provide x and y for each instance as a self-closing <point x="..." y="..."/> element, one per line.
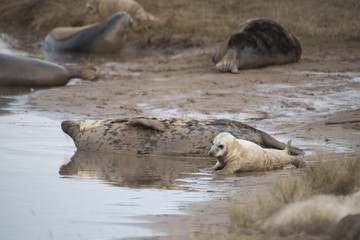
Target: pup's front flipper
<point x="229" y="169"/>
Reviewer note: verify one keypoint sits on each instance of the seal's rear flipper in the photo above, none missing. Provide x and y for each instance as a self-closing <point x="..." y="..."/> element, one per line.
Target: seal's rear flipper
<point x="88" y="73"/>
<point x="270" y="142"/>
<point x="287" y="148"/>
<point x="148" y="123"/>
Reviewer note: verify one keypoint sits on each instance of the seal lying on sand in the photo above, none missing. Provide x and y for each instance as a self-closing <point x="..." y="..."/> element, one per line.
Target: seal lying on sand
<point x="104" y="8"/>
<point x="315" y="215"/>
<point x="168" y="136"/>
<point x="257" y="43"/>
<point x="24" y="71"/>
<point x="106" y="37"/>
<point x="238" y="155"/>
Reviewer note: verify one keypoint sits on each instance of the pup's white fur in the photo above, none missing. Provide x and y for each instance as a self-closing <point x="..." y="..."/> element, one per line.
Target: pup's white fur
<point x="237" y="155"/>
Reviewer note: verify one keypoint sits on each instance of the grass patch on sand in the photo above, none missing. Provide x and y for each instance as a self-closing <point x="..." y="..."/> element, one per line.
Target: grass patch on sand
<point x="338" y="21"/>
<point x="320" y="177"/>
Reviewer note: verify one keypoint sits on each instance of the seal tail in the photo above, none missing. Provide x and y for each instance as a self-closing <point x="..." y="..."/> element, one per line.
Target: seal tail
<point x="296" y="161"/>
<point x="270" y="142"/>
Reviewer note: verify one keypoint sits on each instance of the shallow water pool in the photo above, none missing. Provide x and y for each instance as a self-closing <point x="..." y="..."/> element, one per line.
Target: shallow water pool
<point x="42" y="199"/>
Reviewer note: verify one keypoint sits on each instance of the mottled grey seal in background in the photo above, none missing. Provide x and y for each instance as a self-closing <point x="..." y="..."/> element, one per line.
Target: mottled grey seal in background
<point x="160" y="136"/>
<point x="106" y="37"/>
<point x="25" y="71"/>
<point x="257" y="43"/>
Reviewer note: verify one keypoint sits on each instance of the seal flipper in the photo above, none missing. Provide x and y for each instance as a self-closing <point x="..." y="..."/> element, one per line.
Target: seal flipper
<point x="268" y="141"/>
<point x="228" y="62"/>
<point x="287" y="148"/>
<point x="148" y="123"/>
<point x="86" y="73"/>
<point x="295" y="160"/>
<point x="218" y="166"/>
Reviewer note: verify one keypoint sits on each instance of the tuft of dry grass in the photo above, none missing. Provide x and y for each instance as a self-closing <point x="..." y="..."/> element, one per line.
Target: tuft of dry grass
<point x="338" y="178"/>
<point x="320" y="177"/>
<point x="39" y="17"/>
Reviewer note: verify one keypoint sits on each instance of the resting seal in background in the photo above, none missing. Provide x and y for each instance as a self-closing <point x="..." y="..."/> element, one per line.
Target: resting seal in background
<point x="106" y="37"/>
<point x="24" y="71"/>
<point x="105" y="8"/>
<point x="257" y="43"/>
<point x="169" y="136"/>
<point x="238" y="155"/>
<point x="315" y="215"/>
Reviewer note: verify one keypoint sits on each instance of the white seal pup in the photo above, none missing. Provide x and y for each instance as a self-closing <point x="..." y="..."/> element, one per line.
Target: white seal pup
<point x="257" y="43"/>
<point x="238" y="155"/>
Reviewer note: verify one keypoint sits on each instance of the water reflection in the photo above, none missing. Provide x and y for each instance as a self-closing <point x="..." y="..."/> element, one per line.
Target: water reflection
<point x="8" y="95"/>
<point x="135" y="171"/>
<point x="38" y="203"/>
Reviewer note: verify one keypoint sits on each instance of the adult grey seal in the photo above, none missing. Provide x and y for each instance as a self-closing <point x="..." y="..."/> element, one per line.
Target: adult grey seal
<point x="160" y="136"/>
<point x="25" y="71"/>
<point x="257" y="43"/>
<point x="106" y="37"/>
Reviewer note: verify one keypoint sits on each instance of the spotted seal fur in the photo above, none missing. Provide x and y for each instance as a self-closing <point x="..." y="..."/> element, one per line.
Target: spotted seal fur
<point x="171" y="136"/>
<point x="257" y="43"/>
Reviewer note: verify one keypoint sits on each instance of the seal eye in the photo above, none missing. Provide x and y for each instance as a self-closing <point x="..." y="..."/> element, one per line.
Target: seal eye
<point x="221" y="146"/>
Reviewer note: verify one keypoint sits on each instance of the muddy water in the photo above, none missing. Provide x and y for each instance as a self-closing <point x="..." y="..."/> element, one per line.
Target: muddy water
<point x="48" y="190"/>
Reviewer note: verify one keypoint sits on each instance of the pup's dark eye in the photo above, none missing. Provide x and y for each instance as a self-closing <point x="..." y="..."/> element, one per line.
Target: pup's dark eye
<point x="221" y="146"/>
